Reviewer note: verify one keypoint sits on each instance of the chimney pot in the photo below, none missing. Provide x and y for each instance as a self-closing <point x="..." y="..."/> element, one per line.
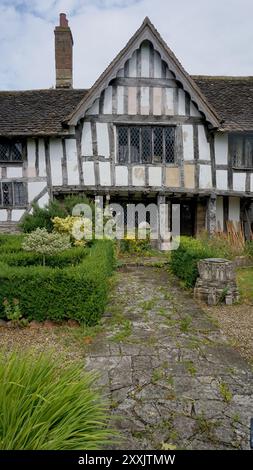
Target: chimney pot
<point x="63" y="20"/>
<point x="63" y="53"/>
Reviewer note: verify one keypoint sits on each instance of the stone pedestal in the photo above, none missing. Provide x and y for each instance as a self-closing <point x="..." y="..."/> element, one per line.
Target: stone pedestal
<point x="216" y="282"/>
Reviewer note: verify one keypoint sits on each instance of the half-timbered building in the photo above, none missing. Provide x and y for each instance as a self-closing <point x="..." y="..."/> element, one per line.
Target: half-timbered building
<point x="146" y="131"/>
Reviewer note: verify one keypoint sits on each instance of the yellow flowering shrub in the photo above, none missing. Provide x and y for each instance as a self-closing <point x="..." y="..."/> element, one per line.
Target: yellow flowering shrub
<point x="79" y="228"/>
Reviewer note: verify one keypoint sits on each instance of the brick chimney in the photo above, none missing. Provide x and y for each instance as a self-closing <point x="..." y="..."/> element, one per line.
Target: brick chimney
<point x="63" y="54"/>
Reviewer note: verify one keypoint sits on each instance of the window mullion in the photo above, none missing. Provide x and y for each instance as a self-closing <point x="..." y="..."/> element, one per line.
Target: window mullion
<point x="129" y="156"/>
<point x="152" y="144"/>
<point x="140" y="137"/>
<point x="164" y="150"/>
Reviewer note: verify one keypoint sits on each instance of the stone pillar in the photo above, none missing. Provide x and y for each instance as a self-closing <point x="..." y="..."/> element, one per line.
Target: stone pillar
<point x="211" y="214"/>
<point x="164" y="210"/>
<point x="216" y="282"/>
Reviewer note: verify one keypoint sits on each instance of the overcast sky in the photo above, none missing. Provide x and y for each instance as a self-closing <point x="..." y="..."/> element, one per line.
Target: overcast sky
<point x="212" y="37"/>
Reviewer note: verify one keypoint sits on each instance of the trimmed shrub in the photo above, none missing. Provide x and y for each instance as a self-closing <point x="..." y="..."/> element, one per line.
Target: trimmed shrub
<point x="70" y="257"/>
<point x="78" y="292"/>
<point x="46" y="244"/>
<point x="45" y="406"/>
<point x="184" y="260"/>
<point x="10" y="243"/>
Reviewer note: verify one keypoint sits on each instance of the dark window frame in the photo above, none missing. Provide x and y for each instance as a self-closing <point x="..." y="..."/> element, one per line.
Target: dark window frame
<point x="238" y="151"/>
<point x="13" y="194"/>
<point x="12" y="151"/>
<point x="157" y="136"/>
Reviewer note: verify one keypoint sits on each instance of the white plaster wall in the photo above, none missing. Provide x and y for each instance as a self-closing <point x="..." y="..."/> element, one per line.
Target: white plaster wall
<point x="16" y="214"/>
<point x="108" y="101"/>
<point x="14" y="172"/>
<point x="157" y="65"/>
<point x="239" y="180"/>
<point x="105" y="173"/>
<point x="188" y="148"/>
<point x="88" y="174"/>
<point x="120" y="100"/>
<point x="34" y="188"/>
<point x="42" y="158"/>
<point x="155" y="176"/>
<point x="44" y="200"/>
<point x="72" y="162"/>
<point x="3" y="215"/>
<point x="103" y="139"/>
<point x="145" y="60"/>
<point x="145" y="100"/>
<point x="133" y="65"/>
<point x="194" y="111"/>
<point x="86" y="142"/>
<point x="31" y="158"/>
<point x="234" y="209"/>
<point x="181" y="102"/>
<point x="251" y="182"/>
<point x="204" y="146"/>
<point x="132" y="100"/>
<point x="56" y="155"/>
<point x="205" y="176"/>
<point x="169" y="102"/>
<point x="219" y="213"/>
<point x="120" y="73"/>
<point x="157" y="101"/>
<point x="138" y="175"/>
<point x="94" y="109"/>
<point x="221" y="148"/>
<point x="121" y="176"/>
<point x="221" y="179"/>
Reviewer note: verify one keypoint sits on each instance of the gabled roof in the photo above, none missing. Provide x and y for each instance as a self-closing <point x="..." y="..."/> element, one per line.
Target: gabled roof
<point x="147" y="31"/>
<point x="233" y="99"/>
<point x="36" y="112"/>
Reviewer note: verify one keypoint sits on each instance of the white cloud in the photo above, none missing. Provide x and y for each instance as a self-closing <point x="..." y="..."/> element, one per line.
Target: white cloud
<point x="207" y="37"/>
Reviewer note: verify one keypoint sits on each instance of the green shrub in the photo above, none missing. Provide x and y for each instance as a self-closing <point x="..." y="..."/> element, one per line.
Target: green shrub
<point x="184" y="260"/>
<point x="46" y="244"/>
<point x="42" y="217"/>
<point x="45" y="406"/>
<point x="78" y="292"/>
<point x="10" y="243"/>
<point x="249" y="248"/>
<point x="70" y="257"/>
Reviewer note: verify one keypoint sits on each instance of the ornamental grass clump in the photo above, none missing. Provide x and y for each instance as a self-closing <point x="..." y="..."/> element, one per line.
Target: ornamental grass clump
<point x="47" y="244"/>
<point x="45" y="406"/>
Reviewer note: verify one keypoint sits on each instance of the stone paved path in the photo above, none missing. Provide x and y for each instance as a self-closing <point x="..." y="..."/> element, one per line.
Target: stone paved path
<point x="171" y="377"/>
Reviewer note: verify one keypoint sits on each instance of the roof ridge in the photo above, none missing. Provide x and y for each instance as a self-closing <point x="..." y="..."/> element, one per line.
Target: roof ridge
<point x="223" y="77"/>
<point x="44" y="89"/>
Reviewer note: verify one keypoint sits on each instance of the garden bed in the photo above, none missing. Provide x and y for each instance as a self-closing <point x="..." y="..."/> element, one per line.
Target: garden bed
<point x="73" y="285"/>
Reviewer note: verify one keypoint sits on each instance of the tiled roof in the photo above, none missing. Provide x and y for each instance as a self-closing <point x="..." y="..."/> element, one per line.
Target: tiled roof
<point x="36" y="112"/>
<point x="43" y="112"/>
<point x="232" y="97"/>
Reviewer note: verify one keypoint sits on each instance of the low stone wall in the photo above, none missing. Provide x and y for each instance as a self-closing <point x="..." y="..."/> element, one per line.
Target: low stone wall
<point x="216" y="282"/>
<point x="9" y="227"/>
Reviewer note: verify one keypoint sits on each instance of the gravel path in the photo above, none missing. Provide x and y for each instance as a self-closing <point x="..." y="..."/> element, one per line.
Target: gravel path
<point x="170" y="374"/>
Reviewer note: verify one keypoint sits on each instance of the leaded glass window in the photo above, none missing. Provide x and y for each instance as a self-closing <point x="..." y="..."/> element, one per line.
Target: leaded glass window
<point x="241" y="150"/>
<point x="11" y="151"/>
<point x="12" y="193"/>
<point x="146" y="144"/>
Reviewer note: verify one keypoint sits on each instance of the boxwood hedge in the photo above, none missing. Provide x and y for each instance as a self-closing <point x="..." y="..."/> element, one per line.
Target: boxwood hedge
<point x="78" y="292"/>
<point x="184" y="260"/>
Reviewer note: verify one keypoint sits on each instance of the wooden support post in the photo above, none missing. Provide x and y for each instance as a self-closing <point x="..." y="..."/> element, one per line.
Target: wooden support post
<point x="211" y="214"/>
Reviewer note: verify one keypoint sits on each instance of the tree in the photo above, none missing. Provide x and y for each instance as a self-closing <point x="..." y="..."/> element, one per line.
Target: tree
<point x="46" y="244"/>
